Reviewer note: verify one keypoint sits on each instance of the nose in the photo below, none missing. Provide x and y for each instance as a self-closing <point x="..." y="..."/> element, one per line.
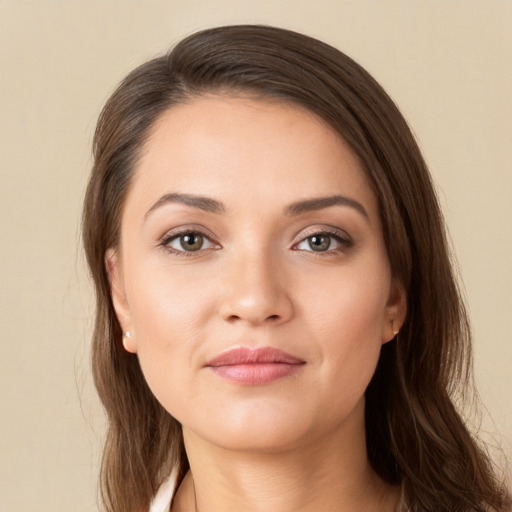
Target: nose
<point x="256" y="292"/>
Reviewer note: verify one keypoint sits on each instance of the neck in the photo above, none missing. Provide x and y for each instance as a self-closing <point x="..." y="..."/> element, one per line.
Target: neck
<point x="302" y="478"/>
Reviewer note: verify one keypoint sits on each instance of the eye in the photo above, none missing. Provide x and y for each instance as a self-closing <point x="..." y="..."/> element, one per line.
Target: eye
<point x="324" y="242"/>
<point x="187" y="242"/>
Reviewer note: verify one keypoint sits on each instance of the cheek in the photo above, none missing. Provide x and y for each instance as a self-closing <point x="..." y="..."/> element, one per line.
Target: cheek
<point x="349" y="304"/>
<point x="170" y="312"/>
<point x="168" y="302"/>
<point x="347" y="320"/>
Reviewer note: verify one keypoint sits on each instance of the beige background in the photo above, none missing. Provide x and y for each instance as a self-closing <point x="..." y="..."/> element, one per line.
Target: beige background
<point x="446" y="63"/>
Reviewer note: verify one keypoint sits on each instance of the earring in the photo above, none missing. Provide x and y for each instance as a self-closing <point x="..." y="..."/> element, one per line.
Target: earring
<point x="127" y="334"/>
<point x="395" y="331"/>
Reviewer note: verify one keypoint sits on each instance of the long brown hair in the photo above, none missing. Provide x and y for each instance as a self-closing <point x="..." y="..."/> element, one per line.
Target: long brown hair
<point x="414" y="433"/>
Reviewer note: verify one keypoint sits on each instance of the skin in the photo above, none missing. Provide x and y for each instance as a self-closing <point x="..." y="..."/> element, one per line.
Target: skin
<point x="297" y="443"/>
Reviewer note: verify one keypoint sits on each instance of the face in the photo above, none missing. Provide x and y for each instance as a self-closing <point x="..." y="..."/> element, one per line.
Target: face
<point x="252" y="274"/>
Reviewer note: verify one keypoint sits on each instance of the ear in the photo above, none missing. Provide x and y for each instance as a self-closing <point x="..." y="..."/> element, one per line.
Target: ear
<point x="396" y="310"/>
<point x="117" y="292"/>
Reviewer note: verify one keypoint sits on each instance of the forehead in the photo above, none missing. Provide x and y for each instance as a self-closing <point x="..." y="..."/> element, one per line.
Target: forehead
<point x="246" y="150"/>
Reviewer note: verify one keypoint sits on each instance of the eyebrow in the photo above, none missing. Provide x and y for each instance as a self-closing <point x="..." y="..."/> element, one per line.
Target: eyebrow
<point x="297" y="208"/>
<point x="319" y="203"/>
<point x="203" y="203"/>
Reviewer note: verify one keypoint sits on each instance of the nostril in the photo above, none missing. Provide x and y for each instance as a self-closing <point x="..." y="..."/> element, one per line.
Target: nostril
<point x="236" y="318"/>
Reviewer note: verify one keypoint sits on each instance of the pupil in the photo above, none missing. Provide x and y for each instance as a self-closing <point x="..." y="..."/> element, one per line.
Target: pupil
<point x="319" y="243"/>
<point x="192" y="241"/>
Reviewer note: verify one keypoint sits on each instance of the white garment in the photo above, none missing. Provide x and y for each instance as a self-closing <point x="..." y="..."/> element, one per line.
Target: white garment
<point x="162" y="500"/>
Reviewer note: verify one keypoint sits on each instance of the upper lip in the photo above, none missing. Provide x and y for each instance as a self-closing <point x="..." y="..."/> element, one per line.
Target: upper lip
<point x="244" y="355"/>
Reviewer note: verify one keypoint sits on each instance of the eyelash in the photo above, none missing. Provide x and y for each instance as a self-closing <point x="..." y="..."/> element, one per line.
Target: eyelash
<point x="170" y="237"/>
<point x="341" y="237"/>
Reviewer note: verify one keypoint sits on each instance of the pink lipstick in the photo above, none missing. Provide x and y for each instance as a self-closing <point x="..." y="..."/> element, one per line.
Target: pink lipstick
<point x="253" y="367"/>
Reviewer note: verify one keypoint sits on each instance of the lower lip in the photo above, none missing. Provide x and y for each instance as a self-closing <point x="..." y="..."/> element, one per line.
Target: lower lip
<point x="256" y="374"/>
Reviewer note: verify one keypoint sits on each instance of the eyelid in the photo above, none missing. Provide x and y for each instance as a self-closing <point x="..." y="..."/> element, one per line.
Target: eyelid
<point x="330" y="230"/>
<point x="344" y="238"/>
<point x="174" y="233"/>
<point x="182" y="230"/>
<point x="187" y="228"/>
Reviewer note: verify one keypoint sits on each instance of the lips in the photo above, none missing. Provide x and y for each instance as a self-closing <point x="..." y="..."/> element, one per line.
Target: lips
<point x="254" y="366"/>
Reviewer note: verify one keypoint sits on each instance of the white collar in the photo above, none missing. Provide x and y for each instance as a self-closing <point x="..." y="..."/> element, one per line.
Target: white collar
<point x="162" y="500"/>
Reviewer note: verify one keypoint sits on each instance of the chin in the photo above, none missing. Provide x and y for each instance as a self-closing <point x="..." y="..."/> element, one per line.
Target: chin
<point x="267" y="428"/>
<point x="257" y="440"/>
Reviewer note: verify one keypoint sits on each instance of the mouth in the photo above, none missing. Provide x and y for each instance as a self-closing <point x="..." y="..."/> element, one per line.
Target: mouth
<point x="253" y="367"/>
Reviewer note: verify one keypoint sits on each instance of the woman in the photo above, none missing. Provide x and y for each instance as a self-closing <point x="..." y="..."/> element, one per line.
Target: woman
<point x="278" y="326"/>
